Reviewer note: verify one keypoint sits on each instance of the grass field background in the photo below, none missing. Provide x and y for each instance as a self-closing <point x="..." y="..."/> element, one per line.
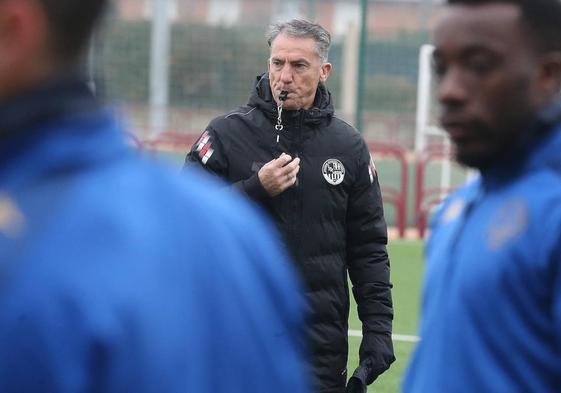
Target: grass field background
<point x="406" y="258"/>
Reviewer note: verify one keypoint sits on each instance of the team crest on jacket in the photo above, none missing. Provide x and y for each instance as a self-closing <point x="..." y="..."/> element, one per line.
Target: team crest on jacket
<point x="333" y="171"/>
<point x="11" y="219"/>
<point x="453" y="211"/>
<point x="509" y="221"/>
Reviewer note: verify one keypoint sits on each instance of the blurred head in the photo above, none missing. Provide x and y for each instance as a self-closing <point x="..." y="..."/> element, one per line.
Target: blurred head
<point x="497" y="63"/>
<point x="298" y="61"/>
<point x="71" y="24"/>
<point x="39" y="38"/>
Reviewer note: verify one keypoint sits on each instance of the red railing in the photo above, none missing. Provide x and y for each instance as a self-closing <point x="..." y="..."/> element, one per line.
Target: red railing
<point x="171" y="140"/>
<point x="397" y="196"/>
<point x="428" y="197"/>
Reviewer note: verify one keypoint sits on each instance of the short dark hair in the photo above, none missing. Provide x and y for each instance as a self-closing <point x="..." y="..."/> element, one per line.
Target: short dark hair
<point x="71" y="23"/>
<point x="542" y="19"/>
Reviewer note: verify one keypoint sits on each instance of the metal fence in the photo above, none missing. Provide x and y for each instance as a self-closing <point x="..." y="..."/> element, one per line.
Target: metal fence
<point x="172" y="65"/>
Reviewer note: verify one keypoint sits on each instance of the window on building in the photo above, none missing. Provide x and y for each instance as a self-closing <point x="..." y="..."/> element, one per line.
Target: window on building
<point x="172" y="8"/>
<point x="223" y="12"/>
<point x="345" y="14"/>
<point x="285" y="10"/>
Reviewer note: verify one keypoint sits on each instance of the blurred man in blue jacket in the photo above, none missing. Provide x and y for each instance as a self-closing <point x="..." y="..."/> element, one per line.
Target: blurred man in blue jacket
<point x="492" y="296"/>
<point x="115" y="275"/>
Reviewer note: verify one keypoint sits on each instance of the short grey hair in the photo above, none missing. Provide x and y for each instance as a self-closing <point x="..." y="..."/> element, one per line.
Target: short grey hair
<point x="302" y="28"/>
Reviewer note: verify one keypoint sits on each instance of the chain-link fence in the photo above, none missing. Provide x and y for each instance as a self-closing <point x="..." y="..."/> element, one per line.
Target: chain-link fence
<point x="173" y="65"/>
<point x="213" y="50"/>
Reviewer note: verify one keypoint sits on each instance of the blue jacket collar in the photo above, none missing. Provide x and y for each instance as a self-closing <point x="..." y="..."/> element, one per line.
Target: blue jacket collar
<point x="538" y="147"/>
<point x="54" y="99"/>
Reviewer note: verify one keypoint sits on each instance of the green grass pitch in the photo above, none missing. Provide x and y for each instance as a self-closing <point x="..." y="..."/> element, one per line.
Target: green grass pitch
<point x="406" y="258"/>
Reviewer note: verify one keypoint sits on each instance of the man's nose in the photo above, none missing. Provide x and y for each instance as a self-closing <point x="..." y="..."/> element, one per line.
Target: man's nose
<point x="451" y="88"/>
<point x="286" y="74"/>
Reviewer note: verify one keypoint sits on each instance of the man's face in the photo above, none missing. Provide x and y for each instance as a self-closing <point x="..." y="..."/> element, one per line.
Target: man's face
<point x="488" y="79"/>
<point x="295" y="67"/>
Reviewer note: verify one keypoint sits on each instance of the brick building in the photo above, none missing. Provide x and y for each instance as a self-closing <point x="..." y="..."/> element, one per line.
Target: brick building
<point x="386" y="17"/>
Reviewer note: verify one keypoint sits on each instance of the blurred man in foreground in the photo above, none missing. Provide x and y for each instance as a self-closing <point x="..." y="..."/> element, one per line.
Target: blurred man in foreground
<point x="492" y="302"/>
<point x="116" y="276"/>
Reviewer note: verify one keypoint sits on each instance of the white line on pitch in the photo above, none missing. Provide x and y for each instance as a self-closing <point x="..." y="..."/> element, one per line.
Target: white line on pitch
<point x="395" y="337"/>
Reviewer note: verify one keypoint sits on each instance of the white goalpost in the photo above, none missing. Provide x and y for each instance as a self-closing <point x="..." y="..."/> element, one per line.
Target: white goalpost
<point x="426" y="129"/>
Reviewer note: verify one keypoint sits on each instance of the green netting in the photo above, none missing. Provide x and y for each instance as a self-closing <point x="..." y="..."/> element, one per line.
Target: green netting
<point x="213" y="61"/>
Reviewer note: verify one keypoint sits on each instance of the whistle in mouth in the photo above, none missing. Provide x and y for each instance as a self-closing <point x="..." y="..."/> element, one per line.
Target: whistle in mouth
<point x="283" y="95"/>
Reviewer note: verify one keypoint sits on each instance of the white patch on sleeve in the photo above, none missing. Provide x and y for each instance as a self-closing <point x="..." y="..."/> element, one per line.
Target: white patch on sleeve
<point x="207" y="156"/>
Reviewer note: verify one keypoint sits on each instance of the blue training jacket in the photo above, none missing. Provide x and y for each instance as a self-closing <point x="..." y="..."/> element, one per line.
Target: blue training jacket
<point x="491" y="312"/>
<point x="117" y="275"/>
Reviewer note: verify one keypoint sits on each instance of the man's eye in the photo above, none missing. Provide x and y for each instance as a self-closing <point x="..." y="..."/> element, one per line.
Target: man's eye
<point x="480" y="65"/>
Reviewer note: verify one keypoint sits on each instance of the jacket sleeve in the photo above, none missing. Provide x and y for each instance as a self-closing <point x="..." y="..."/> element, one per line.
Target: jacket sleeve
<point x="210" y="154"/>
<point x="369" y="267"/>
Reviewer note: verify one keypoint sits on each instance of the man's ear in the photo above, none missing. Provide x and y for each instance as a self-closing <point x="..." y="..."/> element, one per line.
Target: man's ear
<point x="23" y="30"/>
<point x="325" y="71"/>
<point x="550" y="75"/>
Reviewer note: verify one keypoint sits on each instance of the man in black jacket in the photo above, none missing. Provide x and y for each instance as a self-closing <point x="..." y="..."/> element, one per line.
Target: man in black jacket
<point x="313" y="173"/>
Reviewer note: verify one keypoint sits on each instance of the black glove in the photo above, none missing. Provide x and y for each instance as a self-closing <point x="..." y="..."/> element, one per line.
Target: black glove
<point x="359" y="381"/>
<point x="376" y="352"/>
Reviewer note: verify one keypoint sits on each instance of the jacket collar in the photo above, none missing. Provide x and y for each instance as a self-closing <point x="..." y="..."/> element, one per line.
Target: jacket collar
<point x="538" y="147"/>
<point x="262" y="98"/>
<point x="54" y="99"/>
<point x="60" y="125"/>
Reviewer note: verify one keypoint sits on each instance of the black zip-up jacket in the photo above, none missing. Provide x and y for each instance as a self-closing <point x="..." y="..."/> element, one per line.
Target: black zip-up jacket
<point x="332" y="220"/>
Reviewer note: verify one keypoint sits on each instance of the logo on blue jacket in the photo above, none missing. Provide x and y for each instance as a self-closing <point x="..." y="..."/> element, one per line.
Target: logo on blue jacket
<point x="509" y="221"/>
<point x="11" y="219"/>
